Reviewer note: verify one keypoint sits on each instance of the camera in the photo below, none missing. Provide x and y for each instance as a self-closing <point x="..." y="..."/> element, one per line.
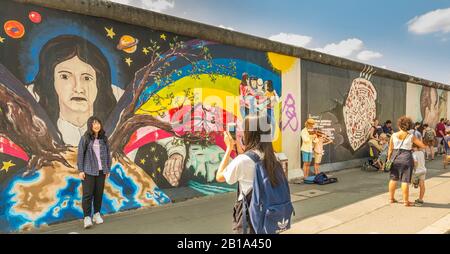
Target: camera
<point x="231" y="128"/>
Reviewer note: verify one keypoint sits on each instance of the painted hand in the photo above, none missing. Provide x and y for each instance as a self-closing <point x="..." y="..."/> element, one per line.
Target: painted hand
<point x="82" y="175"/>
<point x="173" y="169"/>
<point x="205" y="161"/>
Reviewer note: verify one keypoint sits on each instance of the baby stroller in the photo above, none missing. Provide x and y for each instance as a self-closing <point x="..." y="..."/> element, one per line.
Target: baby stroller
<point x="372" y="163"/>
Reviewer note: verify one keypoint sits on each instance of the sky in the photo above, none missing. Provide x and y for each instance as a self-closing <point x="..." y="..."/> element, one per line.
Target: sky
<point x="407" y="36"/>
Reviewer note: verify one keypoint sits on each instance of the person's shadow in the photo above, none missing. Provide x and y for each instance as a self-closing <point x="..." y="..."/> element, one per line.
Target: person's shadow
<point x="435" y="205"/>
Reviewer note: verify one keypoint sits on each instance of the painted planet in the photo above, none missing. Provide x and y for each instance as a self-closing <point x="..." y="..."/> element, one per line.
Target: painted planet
<point x="35" y="17"/>
<point x="128" y="43"/>
<point x="14" y="29"/>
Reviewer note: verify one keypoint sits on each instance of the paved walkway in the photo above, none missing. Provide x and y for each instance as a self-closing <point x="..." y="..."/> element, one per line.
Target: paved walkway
<point x="376" y="215"/>
<point x="356" y="204"/>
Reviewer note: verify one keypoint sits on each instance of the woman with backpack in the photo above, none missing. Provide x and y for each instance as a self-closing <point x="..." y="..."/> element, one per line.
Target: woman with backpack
<point x="401" y="159"/>
<point x="94" y="164"/>
<point x="429" y="136"/>
<point x="243" y="169"/>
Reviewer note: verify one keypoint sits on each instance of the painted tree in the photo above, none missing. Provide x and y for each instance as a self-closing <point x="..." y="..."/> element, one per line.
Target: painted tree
<point x="20" y="123"/>
<point x="159" y="72"/>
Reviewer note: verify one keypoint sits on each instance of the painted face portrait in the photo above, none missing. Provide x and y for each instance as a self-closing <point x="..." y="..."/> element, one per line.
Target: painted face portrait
<point x="76" y="87"/>
<point x="260" y="85"/>
<point x="359" y="111"/>
<point x="253" y="83"/>
<point x="72" y="84"/>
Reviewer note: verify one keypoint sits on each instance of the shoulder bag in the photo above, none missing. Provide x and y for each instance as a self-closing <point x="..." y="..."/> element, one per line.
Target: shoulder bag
<point x="394" y="155"/>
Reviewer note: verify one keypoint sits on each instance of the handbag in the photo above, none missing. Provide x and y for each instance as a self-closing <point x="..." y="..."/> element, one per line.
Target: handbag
<point x="388" y="165"/>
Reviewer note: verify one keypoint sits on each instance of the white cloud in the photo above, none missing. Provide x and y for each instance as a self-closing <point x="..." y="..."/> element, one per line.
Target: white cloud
<point x="367" y="55"/>
<point x="226" y="27"/>
<point x="344" y="48"/>
<point x="431" y="22"/>
<point x="292" y="39"/>
<point x="153" y="5"/>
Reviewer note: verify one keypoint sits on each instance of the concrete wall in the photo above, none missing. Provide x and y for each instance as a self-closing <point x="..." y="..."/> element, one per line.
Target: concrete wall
<point x="344" y="103"/>
<point x="62" y="61"/>
<point x="426" y="104"/>
<point x="291" y="114"/>
<point x="165" y="100"/>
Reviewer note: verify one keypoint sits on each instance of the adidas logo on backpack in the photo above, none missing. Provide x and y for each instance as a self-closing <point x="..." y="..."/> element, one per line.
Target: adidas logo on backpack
<point x="282" y="225"/>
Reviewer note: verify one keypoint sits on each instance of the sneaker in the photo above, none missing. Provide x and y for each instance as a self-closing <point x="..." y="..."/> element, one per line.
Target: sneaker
<point x="418" y="202"/>
<point x="97" y="218"/>
<point x="87" y="222"/>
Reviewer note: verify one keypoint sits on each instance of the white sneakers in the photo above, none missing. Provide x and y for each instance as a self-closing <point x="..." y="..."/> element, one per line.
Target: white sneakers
<point x="97" y="219"/>
<point x="87" y="222"/>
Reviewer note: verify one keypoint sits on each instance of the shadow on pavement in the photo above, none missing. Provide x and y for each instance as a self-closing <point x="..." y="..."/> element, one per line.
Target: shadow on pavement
<point x="435" y="205"/>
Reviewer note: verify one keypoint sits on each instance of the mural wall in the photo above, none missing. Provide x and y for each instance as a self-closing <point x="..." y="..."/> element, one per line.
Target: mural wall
<point x="345" y="102"/>
<point x="164" y="100"/>
<point x="426" y="104"/>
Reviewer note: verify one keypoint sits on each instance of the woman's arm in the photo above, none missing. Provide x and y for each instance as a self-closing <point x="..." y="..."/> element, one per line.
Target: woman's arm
<point x="370" y="134"/>
<point x="329" y="141"/>
<point x="306" y="138"/>
<point x="80" y="155"/>
<point x="391" y="147"/>
<point x="108" y="158"/>
<point x="417" y="142"/>
<point x="240" y="148"/>
<point x="226" y="158"/>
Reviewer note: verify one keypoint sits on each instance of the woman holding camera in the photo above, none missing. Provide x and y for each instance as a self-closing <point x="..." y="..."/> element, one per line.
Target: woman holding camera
<point x="257" y="138"/>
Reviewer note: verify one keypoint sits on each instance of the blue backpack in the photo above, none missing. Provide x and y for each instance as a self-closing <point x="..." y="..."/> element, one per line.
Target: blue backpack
<point x="322" y="179"/>
<point x="270" y="207"/>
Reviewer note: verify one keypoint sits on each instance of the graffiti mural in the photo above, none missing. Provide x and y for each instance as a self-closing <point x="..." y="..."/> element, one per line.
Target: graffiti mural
<point x="290" y="112"/>
<point x="433" y="104"/>
<point x="360" y="109"/>
<point x="165" y="101"/>
<point x="345" y="102"/>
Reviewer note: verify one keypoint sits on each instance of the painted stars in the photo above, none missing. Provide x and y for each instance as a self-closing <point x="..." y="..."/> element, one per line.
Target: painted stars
<point x="145" y="50"/>
<point x="163" y="36"/>
<point x="128" y="61"/>
<point x="7" y="165"/>
<point x="143" y="161"/>
<point x="2" y="40"/>
<point x="110" y="33"/>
